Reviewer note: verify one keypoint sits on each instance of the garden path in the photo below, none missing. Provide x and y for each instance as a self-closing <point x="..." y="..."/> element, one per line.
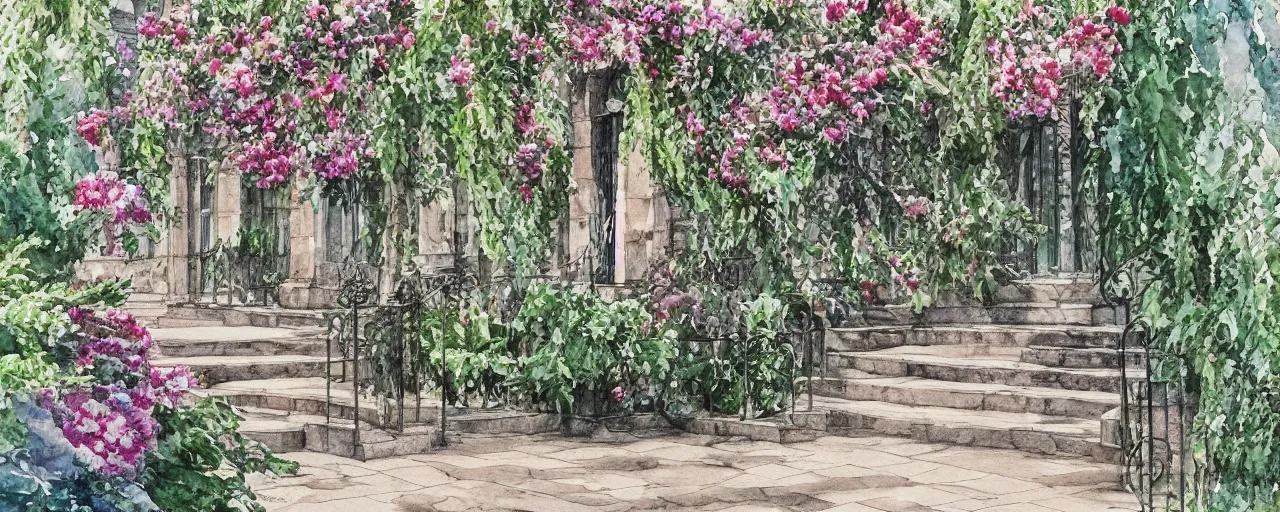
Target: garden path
<point x="693" y="472"/>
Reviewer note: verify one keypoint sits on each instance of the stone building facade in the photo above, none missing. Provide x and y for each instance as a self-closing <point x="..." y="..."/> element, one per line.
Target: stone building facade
<point x="616" y="214"/>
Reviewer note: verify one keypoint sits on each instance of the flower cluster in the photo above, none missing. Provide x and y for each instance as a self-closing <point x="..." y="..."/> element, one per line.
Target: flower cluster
<point x="91" y="126"/>
<point x="124" y="204"/>
<point x="724" y="173"/>
<point x="109" y="432"/>
<point x="1028" y="73"/>
<point x="525" y="46"/>
<point x="913" y="206"/>
<point x="534" y="146"/>
<point x="623" y="31"/>
<point x="460" y="71"/>
<point x="909" y="278"/>
<point x="824" y="91"/>
<point x="111" y="424"/>
<point x="868" y="290"/>
<point x="1093" y="43"/>
<point x="838" y="9"/>
<point x="278" y="94"/>
<point x="340" y="158"/>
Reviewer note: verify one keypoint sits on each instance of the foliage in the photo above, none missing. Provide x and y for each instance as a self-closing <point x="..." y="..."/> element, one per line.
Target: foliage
<point x="82" y="409"/>
<point x="477" y="354"/>
<point x="1192" y="222"/>
<point x="581" y="347"/>
<point x="201" y="461"/>
<point x="54" y="65"/>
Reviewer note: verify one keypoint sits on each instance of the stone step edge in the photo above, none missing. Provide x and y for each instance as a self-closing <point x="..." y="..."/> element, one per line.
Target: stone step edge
<point x="801" y="426"/>
<point x="1026" y="439"/>
<point x="241" y="348"/>
<point x="1015" y="397"/>
<point x="1108" y="381"/>
<point x="877" y="337"/>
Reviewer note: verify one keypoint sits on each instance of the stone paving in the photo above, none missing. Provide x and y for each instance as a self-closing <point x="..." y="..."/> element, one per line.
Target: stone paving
<point x="621" y="472"/>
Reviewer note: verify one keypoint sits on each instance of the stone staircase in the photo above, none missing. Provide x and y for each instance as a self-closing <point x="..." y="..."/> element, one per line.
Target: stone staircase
<point x="270" y="364"/>
<point x="1037" y="371"/>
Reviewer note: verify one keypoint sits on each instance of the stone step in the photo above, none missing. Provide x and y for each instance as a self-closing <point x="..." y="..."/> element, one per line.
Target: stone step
<point x="238" y="341"/>
<point x="249" y="315"/>
<point x="1033" y="433"/>
<point x="875" y="338"/>
<point x="339" y="439"/>
<point x="279" y="430"/>
<point x="307" y="396"/>
<point x="169" y="322"/>
<point x="916" y="391"/>
<point x="1064" y="288"/>
<point x="1039" y="313"/>
<point x="971" y="363"/>
<point x="1062" y="357"/>
<point x="288" y="432"/>
<point x="219" y="369"/>
<point x="1078" y="288"/>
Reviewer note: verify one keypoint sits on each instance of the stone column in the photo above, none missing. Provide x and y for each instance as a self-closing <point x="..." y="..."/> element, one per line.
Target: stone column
<point x="227" y="203"/>
<point x="295" y="292"/>
<point x="582" y="201"/>
<point x="173" y="241"/>
<point x="435" y="233"/>
<point x="638" y="210"/>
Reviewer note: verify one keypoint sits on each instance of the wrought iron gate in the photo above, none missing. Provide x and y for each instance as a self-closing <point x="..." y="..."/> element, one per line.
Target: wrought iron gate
<point x="262" y="256"/>
<point x="1155" y="424"/>
<point x="1042" y="161"/>
<point x="605" y="130"/>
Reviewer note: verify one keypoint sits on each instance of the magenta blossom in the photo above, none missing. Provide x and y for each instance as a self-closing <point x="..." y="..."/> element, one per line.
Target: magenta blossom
<point x="460" y="71"/>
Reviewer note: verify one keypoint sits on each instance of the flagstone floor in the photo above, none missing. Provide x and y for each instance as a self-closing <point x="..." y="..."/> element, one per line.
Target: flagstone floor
<point x="690" y="472"/>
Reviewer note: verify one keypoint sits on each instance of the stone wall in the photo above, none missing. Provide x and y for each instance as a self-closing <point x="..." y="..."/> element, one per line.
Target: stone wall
<point x="165" y="273"/>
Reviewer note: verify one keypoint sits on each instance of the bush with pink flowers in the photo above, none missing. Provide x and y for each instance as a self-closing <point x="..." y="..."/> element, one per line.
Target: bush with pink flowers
<point x="87" y="423"/>
<point x="85" y="416"/>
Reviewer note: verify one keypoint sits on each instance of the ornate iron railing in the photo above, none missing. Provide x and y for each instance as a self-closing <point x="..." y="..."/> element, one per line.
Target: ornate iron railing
<point x="1156" y="429"/>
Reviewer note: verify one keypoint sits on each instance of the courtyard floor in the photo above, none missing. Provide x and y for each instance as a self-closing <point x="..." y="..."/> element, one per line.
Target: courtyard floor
<point x="691" y="472"/>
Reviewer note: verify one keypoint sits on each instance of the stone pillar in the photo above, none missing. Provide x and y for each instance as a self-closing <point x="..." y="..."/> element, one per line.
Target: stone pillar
<point x="435" y="233"/>
<point x="582" y="201"/>
<point x="227" y="203"/>
<point x="637" y="237"/>
<point x="173" y="241"/>
<point x="295" y="292"/>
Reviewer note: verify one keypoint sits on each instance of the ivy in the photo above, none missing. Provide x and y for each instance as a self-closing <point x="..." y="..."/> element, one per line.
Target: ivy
<point x="1192" y="212"/>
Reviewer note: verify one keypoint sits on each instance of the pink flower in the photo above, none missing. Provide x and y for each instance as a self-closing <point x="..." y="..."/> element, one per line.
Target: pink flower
<point x="90" y="127"/>
<point x="460" y="71"/>
<point x="1119" y="15"/>
<point x="836" y="11"/>
<point x="617" y="394"/>
<point x="150" y="27"/>
<point x="914" y="206"/>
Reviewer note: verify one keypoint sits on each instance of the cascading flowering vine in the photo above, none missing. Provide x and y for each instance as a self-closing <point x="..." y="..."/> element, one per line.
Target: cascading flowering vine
<point x="1028" y="73"/>
<point x="124" y="204"/>
<point x="282" y="97"/>
<point x="822" y="92"/>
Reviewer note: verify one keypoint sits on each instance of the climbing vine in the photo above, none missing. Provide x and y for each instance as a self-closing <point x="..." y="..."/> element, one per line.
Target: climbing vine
<point x="843" y="141"/>
<point x="1192" y="226"/>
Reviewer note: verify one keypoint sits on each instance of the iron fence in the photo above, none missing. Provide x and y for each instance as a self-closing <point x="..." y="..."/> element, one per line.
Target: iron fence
<point x="381" y="351"/>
